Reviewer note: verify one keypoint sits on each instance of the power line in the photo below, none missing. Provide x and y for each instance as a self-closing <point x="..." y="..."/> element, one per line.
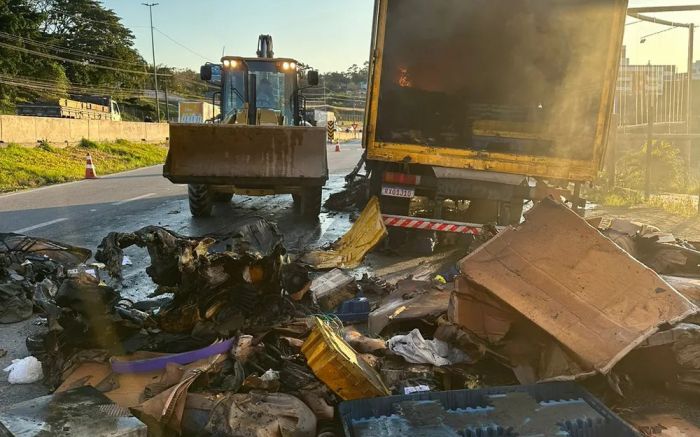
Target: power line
<point x="74" y="61"/>
<point x="71" y="89"/>
<point x="58" y="48"/>
<point x="180" y="44"/>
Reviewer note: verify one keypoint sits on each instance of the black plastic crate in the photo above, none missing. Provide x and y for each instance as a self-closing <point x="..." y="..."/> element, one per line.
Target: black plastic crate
<point x="564" y="405"/>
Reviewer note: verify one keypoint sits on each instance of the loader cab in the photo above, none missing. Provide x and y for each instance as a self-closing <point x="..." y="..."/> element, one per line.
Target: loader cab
<point x="259" y="91"/>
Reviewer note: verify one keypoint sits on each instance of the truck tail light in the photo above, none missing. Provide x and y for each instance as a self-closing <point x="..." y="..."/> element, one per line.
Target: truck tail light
<point x="391" y="177"/>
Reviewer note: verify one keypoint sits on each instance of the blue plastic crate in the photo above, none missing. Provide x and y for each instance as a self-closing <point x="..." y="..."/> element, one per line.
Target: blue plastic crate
<point x="560" y="408"/>
<point x="354" y="310"/>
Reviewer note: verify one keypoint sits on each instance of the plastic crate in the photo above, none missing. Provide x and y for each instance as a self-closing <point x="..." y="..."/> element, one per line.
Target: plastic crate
<point x="335" y="363"/>
<point x="384" y="418"/>
<point x="354" y="310"/>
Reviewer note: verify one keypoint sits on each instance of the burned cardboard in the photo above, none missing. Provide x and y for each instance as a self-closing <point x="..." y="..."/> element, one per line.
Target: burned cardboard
<point x="479" y="312"/>
<point x="576" y="285"/>
<point x="411" y="303"/>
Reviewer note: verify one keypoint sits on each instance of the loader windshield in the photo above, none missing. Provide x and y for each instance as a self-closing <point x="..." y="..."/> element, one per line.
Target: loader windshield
<point x="274" y="89"/>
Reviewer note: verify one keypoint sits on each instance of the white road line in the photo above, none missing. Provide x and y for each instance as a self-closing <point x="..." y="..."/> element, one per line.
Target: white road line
<point x="40" y="225"/>
<point x="121" y="202"/>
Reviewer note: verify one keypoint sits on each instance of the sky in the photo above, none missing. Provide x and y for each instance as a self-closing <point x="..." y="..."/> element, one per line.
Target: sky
<point x="329" y="35"/>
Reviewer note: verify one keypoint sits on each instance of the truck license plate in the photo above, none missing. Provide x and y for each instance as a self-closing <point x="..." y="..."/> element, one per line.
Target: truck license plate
<point x="398" y="192"/>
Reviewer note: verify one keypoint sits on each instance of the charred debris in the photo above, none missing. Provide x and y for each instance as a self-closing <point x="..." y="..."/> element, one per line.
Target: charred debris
<point x="240" y="336"/>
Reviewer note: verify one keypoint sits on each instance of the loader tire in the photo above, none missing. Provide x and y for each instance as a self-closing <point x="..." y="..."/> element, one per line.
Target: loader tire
<point x="310" y="203"/>
<point x="201" y="200"/>
<point x="223" y="197"/>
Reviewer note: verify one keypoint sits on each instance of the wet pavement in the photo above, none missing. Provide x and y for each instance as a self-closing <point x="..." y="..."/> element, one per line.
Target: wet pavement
<point x="83" y="213"/>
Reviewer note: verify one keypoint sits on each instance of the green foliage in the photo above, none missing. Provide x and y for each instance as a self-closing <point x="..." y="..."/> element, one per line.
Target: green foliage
<point x="667" y="168"/>
<point x="87" y="144"/>
<point x="23" y="167"/>
<point x="353" y="79"/>
<point x="83" y="31"/>
<point x="45" y="146"/>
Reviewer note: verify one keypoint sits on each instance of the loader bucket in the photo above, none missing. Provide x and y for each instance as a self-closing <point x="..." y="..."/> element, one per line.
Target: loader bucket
<point x="244" y="155"/>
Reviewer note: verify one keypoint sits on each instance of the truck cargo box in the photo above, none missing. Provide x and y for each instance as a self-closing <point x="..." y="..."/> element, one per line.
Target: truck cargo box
<point x="523" y="87"/>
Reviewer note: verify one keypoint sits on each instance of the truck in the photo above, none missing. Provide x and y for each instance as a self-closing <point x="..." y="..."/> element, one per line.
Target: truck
<point x="197" y="112"/>
<point x="260" y="144"/>
<point x="91" y="108"/>
<point x="322" y="117"/>
<point x="487" y="103"/>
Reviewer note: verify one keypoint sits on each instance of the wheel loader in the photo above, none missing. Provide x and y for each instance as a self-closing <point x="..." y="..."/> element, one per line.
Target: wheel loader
<point x="260" y="144"/>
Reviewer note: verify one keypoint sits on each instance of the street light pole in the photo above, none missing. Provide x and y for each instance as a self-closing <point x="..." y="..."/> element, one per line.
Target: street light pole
<point x="691" y="36"/>
<point x="155" y="66"/>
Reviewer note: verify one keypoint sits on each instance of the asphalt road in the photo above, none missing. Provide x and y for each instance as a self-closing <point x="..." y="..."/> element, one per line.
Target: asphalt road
<point x="83" y="212"/>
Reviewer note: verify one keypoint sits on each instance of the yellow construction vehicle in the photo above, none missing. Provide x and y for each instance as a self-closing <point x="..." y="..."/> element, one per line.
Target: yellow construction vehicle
<point x="477" y="100"/>
<point x="260" y="145"/>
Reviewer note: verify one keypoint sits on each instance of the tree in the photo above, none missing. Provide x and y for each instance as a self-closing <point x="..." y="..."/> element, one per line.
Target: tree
<point x="17" y="17"/>
<point x="86" y="27"/>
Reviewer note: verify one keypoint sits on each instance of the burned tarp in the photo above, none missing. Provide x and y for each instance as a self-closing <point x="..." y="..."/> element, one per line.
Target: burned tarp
<point x="569" y="281"/>
<point x="352" y="247"/>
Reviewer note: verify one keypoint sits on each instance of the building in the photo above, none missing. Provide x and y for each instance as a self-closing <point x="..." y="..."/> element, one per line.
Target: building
<point x="644" y="87"/>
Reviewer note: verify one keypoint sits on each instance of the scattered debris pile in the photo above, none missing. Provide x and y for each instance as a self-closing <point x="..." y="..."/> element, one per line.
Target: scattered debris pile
<point x="31" y="268"/>
<point x="243" y="341"/>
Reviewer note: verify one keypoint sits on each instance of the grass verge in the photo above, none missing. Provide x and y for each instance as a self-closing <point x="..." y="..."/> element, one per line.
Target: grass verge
<point x="23" y="167"/>
<point x="684" y="205"/>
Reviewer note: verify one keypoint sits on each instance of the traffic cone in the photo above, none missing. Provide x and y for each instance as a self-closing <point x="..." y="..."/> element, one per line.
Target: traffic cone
<point x="90" y="172"/>
<point x="337" y="146"/>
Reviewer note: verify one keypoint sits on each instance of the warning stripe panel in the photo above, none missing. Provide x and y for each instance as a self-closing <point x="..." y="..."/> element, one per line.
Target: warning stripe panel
<point x="430" y="224"/>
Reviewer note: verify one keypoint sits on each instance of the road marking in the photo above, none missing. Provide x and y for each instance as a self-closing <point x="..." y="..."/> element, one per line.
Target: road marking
<point x="121" y="202"/>
<point x="40" y="225"/>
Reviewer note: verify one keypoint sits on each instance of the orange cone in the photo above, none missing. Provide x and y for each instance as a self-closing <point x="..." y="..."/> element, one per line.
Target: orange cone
<point x="337" y="146"/>
<point x="90" y="172"/>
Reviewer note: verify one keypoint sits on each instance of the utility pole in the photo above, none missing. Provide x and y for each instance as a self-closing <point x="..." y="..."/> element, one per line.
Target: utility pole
<point x="650" y="142"/>
<point x="167" y="102"/>
<point x="155" y="66"/>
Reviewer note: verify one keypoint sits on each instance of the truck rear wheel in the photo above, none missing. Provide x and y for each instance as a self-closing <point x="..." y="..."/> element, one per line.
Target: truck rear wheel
<point x="308" y="203"/>
<point x="201" y="200"/>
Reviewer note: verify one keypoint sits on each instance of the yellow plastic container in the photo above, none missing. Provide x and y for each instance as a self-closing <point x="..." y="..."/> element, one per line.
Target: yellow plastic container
<point x="335" y="363"/>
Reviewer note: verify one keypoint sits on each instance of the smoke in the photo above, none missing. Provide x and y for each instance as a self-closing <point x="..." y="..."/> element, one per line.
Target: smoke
<point x="537" y="65"/>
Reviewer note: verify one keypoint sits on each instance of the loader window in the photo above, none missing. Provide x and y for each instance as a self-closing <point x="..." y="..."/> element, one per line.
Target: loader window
<point x="234" y="92"/>
<point x="524" y="77"/>
<point x="274" y="88"/>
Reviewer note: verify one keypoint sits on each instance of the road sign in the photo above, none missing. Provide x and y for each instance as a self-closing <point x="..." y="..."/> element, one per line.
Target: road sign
<point x="354" y="126"/>
<point x="331" y="130"/>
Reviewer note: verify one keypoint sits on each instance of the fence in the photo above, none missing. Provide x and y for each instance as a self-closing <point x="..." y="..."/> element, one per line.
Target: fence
<point x="28" y="131"/>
